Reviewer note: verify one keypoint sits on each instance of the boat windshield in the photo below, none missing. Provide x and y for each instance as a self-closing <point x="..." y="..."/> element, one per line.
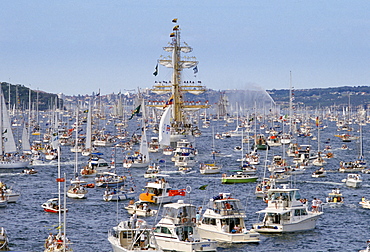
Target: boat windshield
<point x="181" y="212"/>
<point x="227" y="207"/>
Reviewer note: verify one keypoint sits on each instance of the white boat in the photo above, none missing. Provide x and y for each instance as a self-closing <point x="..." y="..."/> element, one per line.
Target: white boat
<point x="365" y="203"/>
<point x="76" y="190"/>
<point x="53" y="206"/>
<point x="140" y="208"/>
<point x="286" y="213"/>
<point x="3" y="202"/>
<point x="109" y="179"/>
<point x="177" y="230"/>
<point x="4" y="241"/>
<point x="9" y="156"/>
<point x="210" y="168"/>
<point x="118" y="195"/>
<point x="334" y="199"/>
<point x="319" y="173"/>
<point x="353" y="180"/>
<point x="96" y="165"/>
<point x="352" y="166"/>
<point x="136" y="237"/>
<point x="223" y="221"/>
<point x="157" y="192"/>
<point x="9" y="193"/>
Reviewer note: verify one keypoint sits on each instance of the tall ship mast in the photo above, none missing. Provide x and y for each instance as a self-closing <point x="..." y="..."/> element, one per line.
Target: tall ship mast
<point x="177" y="87"/>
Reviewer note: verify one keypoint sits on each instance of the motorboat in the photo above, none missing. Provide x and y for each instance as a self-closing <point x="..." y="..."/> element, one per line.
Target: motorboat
<point x="354" y="166"/>
<point x="9" y="194"/>
<point x="118" y="195"/>
<point x="286" y="213"/>
<point x="353" y="180"/>
<point x="210" y="168"/>
<point x="4" y="242"/>
<point x="365" y="203"/>
<point x="319" y="173"/>
<point x="3" y="201"/>
<point x="177" y="230"/>
<point x="239" y="177"/>
<point x="157" y="192"/>
<point x="140" y="208"/>
<point x="96" y="165"/>
<point x="109" y="179"/>
<point x="76" y="190"/>
<point x="223" y="221"/>
<point x="334" y="199"/>
<point x="152" y="172"/>
<point x="367" y="247"/>
<point x="135" y="237"/>
<point x="52" y="206"/>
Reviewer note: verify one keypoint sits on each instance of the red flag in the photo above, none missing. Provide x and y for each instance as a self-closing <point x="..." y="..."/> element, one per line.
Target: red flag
<point x="60" y="179"/>
<point x="180" y="192"/>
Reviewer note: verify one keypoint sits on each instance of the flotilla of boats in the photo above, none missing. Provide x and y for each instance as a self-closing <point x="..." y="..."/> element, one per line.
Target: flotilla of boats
<point x="183" y="226"/>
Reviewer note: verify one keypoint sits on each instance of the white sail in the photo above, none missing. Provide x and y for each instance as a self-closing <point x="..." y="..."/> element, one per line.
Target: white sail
<point x="165" y="128"/>
<point x="26" y="147"/>
<point x="88" y="144"/>
<point x="144" y="145"/>
<point x="9" y="142"/>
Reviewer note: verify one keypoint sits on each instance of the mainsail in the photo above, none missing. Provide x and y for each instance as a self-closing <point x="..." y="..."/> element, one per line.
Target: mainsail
<point x="165" y="128"/>
<point x="8" y="138"/>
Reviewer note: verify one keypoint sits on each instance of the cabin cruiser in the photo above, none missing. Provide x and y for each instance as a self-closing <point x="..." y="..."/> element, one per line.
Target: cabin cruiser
<point x="133" y="237"/>
<point x="353" y="180"/>
<point x="76" y="190"/>
<point x="157" y="192"/>
<point x="286" y="213"/>
<point x="223" y="221"/>
<point x="177" y="230"/>
<point x="210" y="168"/>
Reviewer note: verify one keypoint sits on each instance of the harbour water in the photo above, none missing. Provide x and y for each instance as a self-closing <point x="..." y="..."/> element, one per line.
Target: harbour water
<point x="88" y="220"/>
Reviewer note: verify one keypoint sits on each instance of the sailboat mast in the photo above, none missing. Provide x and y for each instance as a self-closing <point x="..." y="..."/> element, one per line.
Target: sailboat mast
<point x="176" y="79"/>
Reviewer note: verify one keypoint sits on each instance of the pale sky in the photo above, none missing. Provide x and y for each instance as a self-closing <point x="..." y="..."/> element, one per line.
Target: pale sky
<point x="78" y="47"/>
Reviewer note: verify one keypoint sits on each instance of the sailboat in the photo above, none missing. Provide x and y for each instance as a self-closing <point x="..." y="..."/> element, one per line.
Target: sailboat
<point x="211" y="168"/>
<point x="181" y="127"/>
<point x="9" y="156"/>
<point x="88" y="143"/>
<point x="59" y="242"/>
<point x="141" y="158"/>
<point x="76" y="190"/>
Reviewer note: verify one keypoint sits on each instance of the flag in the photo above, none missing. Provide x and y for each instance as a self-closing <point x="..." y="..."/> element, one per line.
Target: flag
<point x="175" y="28"/>
<point x="98" y="94"/>
<point x="174" y="20"/>
<point x="86" y="111"/>
<point x="60" y="179"/>
<point x="136" y="111"/>
<point x="169" y="101"/>
<point x="180" y="192"/>
<point x="156" y="70"/>
<point x="5" y="131"/>
<point x="172" y="34"/>
<point x="203" y="187"/>
<point x="195" y="69"/>
<point x="317" y="121"/>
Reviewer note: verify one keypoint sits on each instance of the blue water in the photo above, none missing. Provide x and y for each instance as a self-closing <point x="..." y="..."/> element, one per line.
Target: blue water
<point x="88" y="221"/>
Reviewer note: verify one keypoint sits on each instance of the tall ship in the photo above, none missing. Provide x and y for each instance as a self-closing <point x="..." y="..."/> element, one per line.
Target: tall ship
<point x="178" y="125"/>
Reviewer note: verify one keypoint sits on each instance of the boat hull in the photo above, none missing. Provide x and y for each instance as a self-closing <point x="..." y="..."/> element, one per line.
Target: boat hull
<point x="228" y="180"/>
<point x="223" y="237"/>
<point x="13" y="165"/>
<point x="173" y="245"/>
<point x="308" y="223"/>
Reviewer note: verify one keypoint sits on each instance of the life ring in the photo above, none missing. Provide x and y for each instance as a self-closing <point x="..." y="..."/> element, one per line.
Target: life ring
<point x="194" y="220"/>
<point x="184" y="220"/>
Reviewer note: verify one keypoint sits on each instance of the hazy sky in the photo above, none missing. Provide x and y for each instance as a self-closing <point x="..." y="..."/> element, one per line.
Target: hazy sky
<point x="77" y="47"/>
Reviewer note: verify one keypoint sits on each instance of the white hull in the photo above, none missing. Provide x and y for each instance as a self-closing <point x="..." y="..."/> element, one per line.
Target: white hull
<point x="76" y="195"/>
<point x="13" y="164"/>
<point x="118" y="196"/>
<point x="355" y="184"/>
<point x="173" y="245"/>
<point x="250" y="237"/>
<point x="307" y="223"/>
